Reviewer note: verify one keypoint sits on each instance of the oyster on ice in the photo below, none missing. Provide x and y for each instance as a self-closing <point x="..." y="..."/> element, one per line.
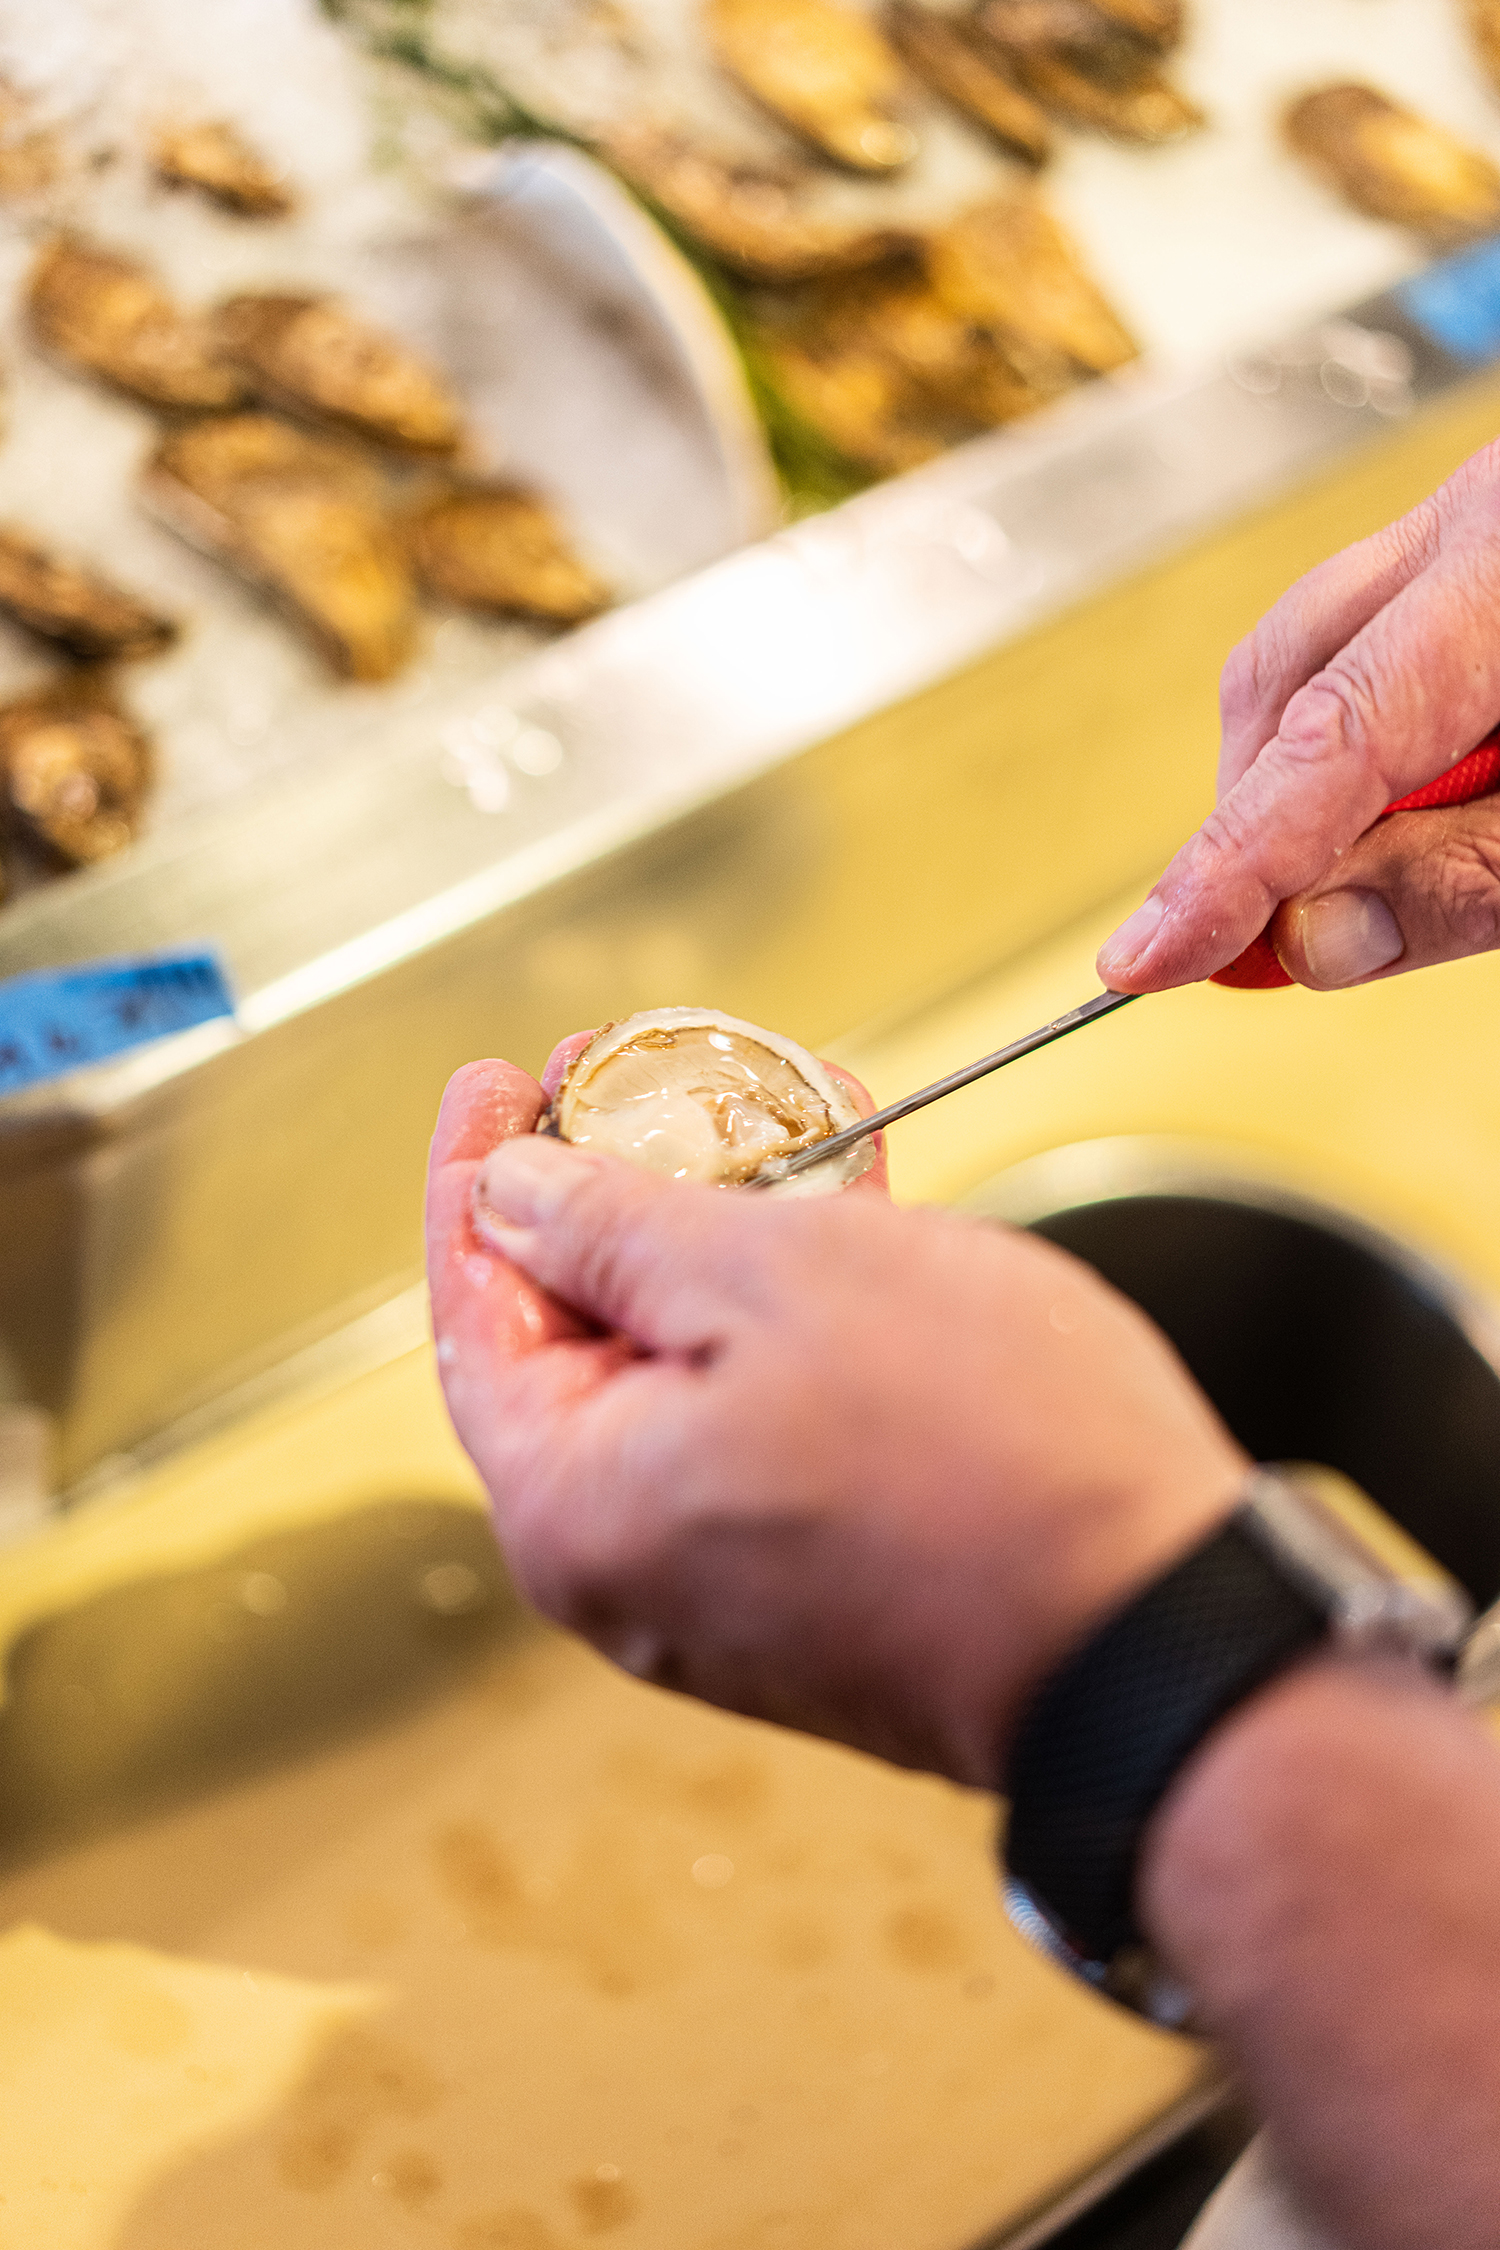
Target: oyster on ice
<point x="219" y="162"/>
<point x="1009" y="267"/>
<point x="1484" y="30"/>
<point x="499" y="548"/>
<point x="74" y="770"/>
<point x="311" y="356"/>
<point x="949" y="54"/>
<point x="822" y="68"/>
<point x="1098" y="72"/>
<point x="77" y="608"/>
<point x="303" y="517"/>
<point x="702" y="1096"/>
<point x="109" y="315"/>
<point x="1393" y="164"/>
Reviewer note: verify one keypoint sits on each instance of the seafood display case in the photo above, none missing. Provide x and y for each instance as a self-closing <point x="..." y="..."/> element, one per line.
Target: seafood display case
<point x="715" y="649"/>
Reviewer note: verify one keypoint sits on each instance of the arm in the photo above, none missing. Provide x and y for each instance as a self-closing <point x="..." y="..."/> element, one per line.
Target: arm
<point x="1369" y="678"/>
<point x="871" y="1473"/>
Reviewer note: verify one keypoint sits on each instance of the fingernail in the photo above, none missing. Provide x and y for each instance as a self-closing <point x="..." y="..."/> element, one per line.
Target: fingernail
<point x="523" y="1181"/>
<point x="1122" y="951"/>
<point x="1347" y="935"/>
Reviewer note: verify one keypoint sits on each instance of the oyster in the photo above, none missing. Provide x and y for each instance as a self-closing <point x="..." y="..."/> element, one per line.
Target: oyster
<point x="66" y="603"/>
<point x="31" y="155"/>
<point x="303" y="517"/>
<point x="952" y="57"/>
<point x="1107" y="81"/>
<point x="217" y="160"/>
<point x="749" y="215"/>
<point x="701" y="1096"/>
<point x="1392" y="164"/>
<point x="885" y="370"/>
<point x="311" y="356"/>
<point x="1484" y="30"/>
<point x="74" y="769"/>
<point x="501" y="549"/>
<point x="110" y="316"/>
<point x="1009" y="267"/>
<point x="824" y="69"/>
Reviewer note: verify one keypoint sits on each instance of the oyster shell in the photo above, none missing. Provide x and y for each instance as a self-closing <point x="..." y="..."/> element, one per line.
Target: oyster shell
<point x="83" y="612"/>
<point x="501" y="549"/>
<point x="302" y="516"/>
<point x="1484" y="30"/>
<point x="950" y="55"/>
<point x="216" y="159"/>
<point x="1393" y="164"/>
<point x="702" y="1096"/>
<point x="74" y="769"/>
<point x="1101" y="75"/>
<point x="312" y="356"/>
<point x="755" y="217"/>
<point x="824" y="69"/>
<point x="32" y="156"/>
<point x="110" y="316"/>
<point x="1009" y="266"/>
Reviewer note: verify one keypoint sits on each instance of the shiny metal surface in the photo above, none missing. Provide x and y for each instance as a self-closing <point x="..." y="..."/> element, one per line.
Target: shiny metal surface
<point x="902" y="740"/>
<point x="1089" y="1011"/>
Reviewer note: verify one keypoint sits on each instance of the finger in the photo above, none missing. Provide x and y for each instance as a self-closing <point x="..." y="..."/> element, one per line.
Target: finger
<point x="1305" y="630"/>
<point x="878" y="1177"/>
<point x="1419" y="889"/>
<point x="1410" y="694"/>
<point x="562" y="1058"/>
<point x="655" y="1258"/>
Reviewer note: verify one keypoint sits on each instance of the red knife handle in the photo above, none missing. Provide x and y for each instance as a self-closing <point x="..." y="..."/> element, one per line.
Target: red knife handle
<point x="1258" y="970"/>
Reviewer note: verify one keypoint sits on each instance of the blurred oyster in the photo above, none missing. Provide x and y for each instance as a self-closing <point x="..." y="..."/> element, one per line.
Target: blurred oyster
<point x="952" y="56"/>
<point x="882" y="368"/>
<point x="501" y="549"/>
<point x="1097" y="74"/>
<point x="83" y="612"/>
<point x="1484" y="30"/>
<point x="32" y="156"/>
<point x="310" y="356"/>
<point x="1008" y="266"/>
<point x="1392" y="164"/>
<point x="822" y="68"/>
<point x="216" y="159"/>
<point x="110" y="316"/>
<point x="303" y="517"/>
<point x="752" y="216"/>
<point x="74" y="770"/>
<point x="701" y="1096"/>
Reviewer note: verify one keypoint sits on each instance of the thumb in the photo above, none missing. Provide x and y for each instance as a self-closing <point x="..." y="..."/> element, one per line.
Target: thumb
<point x="638" y="1253"/>
<point x="1420" y="888"/>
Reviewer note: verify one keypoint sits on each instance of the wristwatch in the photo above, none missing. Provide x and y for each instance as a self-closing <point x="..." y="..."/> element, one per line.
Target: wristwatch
<point x="1305" y="1559"/>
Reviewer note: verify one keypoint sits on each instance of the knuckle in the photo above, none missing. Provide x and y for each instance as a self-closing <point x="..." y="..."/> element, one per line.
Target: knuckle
<point x="1251" y="675"/>
<point x="1461" y="881"/>
<point x="1337" y="712"/>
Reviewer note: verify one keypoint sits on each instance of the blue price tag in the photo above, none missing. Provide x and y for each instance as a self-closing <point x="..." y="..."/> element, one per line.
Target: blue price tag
<point x="1458" y="302"/>
<point x="59" y="1020"/>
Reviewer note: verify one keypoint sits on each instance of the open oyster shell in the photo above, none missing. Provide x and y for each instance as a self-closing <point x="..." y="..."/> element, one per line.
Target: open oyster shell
<point x="700" y="1095"/>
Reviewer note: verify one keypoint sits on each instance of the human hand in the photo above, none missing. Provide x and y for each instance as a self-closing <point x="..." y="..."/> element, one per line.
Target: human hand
<point x="1373" y="675"/>
<point x="861" y="1471"/>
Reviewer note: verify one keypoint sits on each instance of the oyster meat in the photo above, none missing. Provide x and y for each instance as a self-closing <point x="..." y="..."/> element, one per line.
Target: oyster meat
<point x="1392" y="164"/>
<point x="217" y="160"/>
<point x="83" y="612"/>
<point x="303" y="517"/>
<point x="949" y="54"/>
<point x="110" y="316"/>
<point x="701" y="1096"/>
<point x="312" y="356"/>
<point x="74" y="769"/>
<point x="824" y="69"/>
<point x="1008" y="266"/>
<point x="501" y="549"/>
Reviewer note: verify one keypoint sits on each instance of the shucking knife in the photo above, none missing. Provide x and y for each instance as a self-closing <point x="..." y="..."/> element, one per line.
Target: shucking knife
<point x="1257" y="969"/>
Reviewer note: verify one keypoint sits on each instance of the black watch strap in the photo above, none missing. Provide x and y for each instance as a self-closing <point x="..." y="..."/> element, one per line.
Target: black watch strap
<point x="1105" y="1735"/>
